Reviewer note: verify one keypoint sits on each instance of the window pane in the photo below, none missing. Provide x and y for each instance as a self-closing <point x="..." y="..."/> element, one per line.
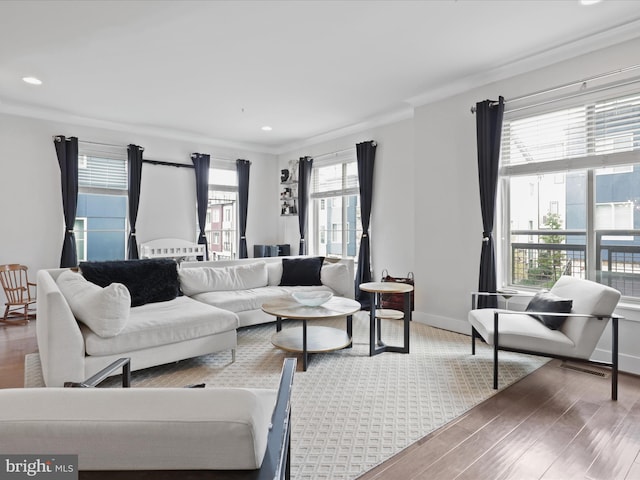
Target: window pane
<point x="222" y="225"/>
<point x="617" y="224"/>
<point x="547" y="227"/>
<point x="335" y="212"/>
<point x="339" y="235"/>
<point x="104" y="217"/>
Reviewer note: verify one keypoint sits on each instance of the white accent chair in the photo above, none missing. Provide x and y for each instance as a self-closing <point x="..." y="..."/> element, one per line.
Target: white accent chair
<point x="221" y="433"/>
<point x="593" y="306"/>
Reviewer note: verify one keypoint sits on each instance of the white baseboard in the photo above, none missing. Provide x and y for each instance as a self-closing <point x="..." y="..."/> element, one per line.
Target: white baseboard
<point x="626" y="363"/>
<point x="446" y="323"/>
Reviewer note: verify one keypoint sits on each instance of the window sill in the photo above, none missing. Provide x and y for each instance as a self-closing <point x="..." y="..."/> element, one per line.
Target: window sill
<point x="630" y="310"/>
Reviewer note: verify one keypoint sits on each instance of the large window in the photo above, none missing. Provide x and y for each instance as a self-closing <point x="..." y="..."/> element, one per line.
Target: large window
<point x="571" y="195"/>
<point x="101" y="216"/>
<point x="222" y="214"/>
<point x="335" y="222"/>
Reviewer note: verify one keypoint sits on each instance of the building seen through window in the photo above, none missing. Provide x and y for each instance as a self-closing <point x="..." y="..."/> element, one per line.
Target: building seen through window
<point x="101" y="217"/>
<point x="222" y="214"/>
<point x="335" y="222"/>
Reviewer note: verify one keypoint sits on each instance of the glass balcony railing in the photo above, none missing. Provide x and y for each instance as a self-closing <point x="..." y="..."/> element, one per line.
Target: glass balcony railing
<point x="540" y="257"/>
<point x="618" y="260"/>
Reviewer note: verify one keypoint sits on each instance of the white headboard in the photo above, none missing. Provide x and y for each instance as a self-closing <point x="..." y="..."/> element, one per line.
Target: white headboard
<point x="170" y="248"/>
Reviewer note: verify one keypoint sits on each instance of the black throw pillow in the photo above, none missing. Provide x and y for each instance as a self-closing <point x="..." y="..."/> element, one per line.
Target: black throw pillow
<point x="549" y="302"/>
<point x="148" y="280"/>
<point x="301" y="271"/>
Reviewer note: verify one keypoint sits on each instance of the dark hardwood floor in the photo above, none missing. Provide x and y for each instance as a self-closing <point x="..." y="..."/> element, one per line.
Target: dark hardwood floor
<point x="555" y="424"/>
<point x="15" y="342"/>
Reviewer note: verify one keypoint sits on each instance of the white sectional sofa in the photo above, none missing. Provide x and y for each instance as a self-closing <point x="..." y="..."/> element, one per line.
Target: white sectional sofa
<point x="81" y="328"/>
<point x="245" y="295"/>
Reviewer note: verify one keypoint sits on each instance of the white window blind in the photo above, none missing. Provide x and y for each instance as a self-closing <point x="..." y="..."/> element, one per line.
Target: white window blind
<point x="99" y="172"/>
<point x="335" y="175"/>
<point x="594" y="134"/>
<point x="223" y="178"/>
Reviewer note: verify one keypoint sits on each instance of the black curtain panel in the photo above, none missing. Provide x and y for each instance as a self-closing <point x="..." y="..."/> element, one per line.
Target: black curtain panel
<point x="366" y="155"/>
<point x="201" y="166"/>
<point x="305" y="164"/>
<point x="67" y="152"/>
<point x="489" y="116"/>
<point x="243" y="167"/>
<point x="134" y="164"/>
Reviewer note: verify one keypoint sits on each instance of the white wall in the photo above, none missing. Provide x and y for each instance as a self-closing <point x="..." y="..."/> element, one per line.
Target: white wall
<point x="31" y="218"/>
<point x="447" y="211"/>
<point x="392" y="222"/>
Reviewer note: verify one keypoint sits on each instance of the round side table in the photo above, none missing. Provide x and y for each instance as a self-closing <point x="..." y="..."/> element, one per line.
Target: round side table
<point x="375" y="289"/>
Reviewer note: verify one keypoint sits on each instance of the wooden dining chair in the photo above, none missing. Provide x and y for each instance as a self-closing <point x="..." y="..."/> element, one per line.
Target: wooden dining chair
<point x="20" y="293"/>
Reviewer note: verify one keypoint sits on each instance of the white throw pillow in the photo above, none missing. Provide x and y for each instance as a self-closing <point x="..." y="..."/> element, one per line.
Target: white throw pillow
<point x="221" y="279"/>
<point x="336" y="277"/>
<point x="103" y="310"/>
<point x="275" y="273"/>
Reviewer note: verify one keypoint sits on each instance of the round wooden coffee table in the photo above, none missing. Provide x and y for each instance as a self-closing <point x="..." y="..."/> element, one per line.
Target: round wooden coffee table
<point x="312" y="339"/>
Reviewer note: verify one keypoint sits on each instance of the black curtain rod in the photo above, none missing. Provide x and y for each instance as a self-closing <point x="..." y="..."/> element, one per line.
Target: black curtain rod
<point x="167" y="164"/>
<point x="152" y="162"/>
<point x="582" y="83"/>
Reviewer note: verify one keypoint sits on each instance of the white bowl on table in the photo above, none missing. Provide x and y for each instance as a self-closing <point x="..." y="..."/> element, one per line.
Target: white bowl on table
<point x="312" y="299"/>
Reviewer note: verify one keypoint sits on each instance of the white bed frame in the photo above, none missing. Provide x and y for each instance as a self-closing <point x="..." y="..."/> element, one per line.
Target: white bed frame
<point x="171" y="248"/>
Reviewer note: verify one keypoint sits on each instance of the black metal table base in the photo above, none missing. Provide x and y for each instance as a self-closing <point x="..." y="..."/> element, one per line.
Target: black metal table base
<point x="376" y="345"/>
<point x="305" y="353"/>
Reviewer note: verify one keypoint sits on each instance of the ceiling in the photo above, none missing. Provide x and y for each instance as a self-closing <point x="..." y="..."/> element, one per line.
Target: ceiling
<point x="218" y="71"/>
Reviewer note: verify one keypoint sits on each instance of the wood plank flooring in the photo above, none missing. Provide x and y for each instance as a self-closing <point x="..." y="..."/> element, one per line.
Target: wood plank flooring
<point x="15" y="342"/>
<point x="555" y="424"/>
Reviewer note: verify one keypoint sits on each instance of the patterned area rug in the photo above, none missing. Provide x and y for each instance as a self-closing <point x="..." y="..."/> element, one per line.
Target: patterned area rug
<point x="351" y="411"/>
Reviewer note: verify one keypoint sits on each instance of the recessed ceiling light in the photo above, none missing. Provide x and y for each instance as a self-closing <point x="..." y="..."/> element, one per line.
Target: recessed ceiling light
<point x="32" y="80"/>
<point x="267" y="128"/>
<point x="589" y="2"/>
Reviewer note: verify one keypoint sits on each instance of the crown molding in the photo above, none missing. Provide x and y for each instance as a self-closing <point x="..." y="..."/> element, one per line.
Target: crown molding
<point x="402" y="113"/>
<point x="541" y="59"/>
<point x="53" y="115"/>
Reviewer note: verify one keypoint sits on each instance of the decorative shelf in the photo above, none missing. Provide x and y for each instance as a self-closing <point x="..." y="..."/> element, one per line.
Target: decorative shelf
<point x="288" y="194"/>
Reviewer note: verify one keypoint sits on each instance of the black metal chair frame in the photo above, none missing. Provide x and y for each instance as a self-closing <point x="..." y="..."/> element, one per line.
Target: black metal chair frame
<point x="376" y="344"/>
<point x="613" y="364"/>
<point x="99" y="377"/>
